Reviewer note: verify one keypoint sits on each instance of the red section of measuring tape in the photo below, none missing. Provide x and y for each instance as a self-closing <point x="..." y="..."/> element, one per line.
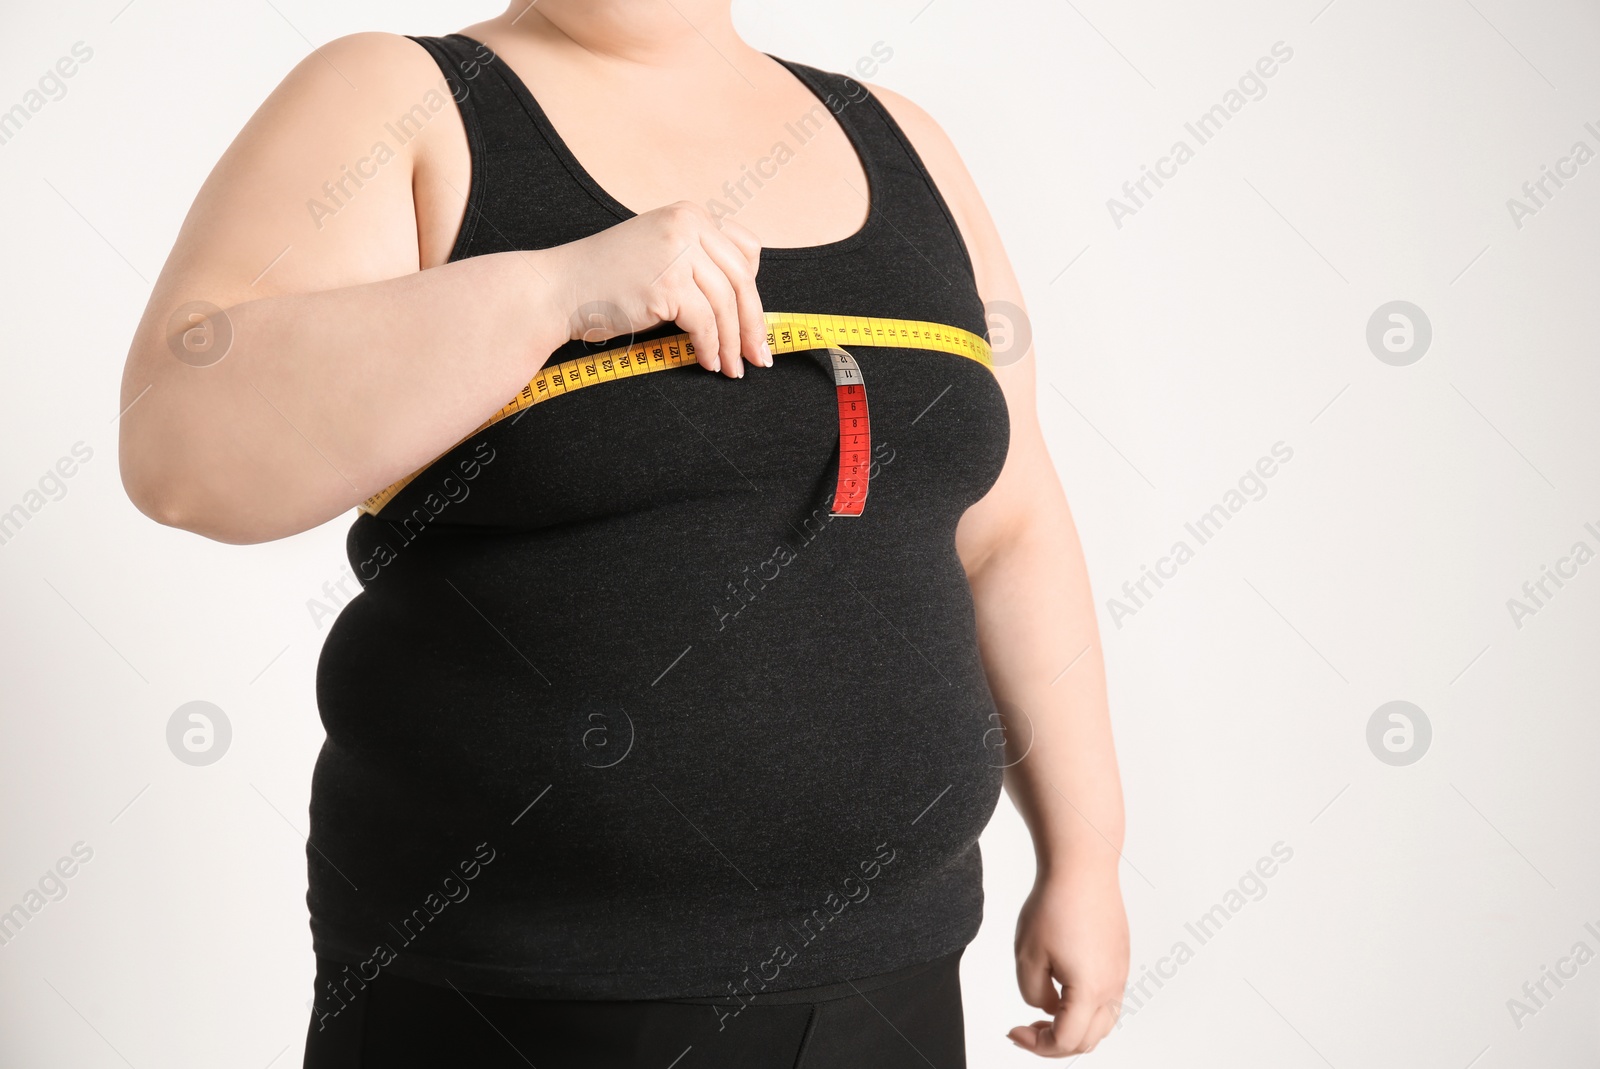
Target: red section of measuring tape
<point x="855" y="436"/>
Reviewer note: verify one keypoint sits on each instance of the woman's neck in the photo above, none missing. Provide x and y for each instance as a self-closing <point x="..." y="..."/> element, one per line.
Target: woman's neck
<point x="654" y="33"/>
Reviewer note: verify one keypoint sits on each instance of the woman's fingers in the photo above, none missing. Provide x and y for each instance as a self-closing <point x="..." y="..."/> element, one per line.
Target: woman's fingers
<point x="1026" y="1036"/>
<point x="1038" y="990"/>
<point x="1065" y="1036"/>
<point x="1036" y="984"/>
<point x="688" y="307"/>
<point x="724" y="305"/>
<point x="1077" y="1029"/>
<point x="747" y="243"/>
<point x="677" y="264"/>
<point x="752" y="320"/>
<point x="1104" y="1021"/>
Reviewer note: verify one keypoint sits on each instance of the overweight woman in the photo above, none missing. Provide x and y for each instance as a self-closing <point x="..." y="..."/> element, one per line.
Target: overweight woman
<point x="714" y="577"/>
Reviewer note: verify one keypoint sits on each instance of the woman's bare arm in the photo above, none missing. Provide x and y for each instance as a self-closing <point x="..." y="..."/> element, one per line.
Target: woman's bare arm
<point x="1041" y="651"/>
<point x="347" y="369"/>
<point x="349" y="366"/>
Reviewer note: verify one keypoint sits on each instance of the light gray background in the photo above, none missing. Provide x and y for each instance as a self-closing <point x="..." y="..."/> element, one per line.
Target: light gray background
<point x="1227" y="315"/>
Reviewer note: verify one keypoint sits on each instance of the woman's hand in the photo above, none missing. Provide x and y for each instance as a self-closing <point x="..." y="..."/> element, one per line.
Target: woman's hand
<point x="1072" y="929"/>
<point x="674" y="264"/>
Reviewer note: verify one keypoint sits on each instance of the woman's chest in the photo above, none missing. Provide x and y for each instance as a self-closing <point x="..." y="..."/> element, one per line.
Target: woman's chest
<point x="772" y="440"/>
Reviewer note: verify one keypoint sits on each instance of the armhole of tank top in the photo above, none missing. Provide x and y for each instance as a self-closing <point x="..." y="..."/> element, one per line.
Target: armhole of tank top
<point x="461" y="94"/>
<point x="927" y="178"/>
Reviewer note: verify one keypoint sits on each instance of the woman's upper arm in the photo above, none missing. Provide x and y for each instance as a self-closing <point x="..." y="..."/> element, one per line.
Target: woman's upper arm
<point x="1028" y="480"/>
<point x="314" y="193"/>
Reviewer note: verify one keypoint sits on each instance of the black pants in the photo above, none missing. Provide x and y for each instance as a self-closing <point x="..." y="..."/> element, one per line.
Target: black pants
<point x="907" y="1018"/>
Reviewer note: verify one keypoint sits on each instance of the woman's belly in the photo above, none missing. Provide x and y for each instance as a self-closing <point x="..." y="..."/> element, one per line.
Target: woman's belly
<point x="682" y="704"/>
<point x="831" y="692"/>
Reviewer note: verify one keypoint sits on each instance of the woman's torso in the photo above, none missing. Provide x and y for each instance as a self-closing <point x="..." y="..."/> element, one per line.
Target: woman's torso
<point x="702" y="731"/>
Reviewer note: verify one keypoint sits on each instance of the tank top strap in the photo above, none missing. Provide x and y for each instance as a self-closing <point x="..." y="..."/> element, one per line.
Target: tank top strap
<point x="903" y="189"/>
<point x="472" y="71"/>
<point x="526" y="191"/>
<point x="462" y="61"/>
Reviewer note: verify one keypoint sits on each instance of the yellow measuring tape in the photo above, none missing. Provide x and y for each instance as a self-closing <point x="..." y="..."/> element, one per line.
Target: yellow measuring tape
<point x="787" y="332"/>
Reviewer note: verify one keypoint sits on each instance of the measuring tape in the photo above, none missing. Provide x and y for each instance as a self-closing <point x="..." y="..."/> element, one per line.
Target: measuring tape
<point x="787" y="332"/>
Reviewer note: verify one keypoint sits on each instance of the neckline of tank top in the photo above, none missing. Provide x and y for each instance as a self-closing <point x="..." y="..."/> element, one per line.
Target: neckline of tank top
<point x="858" y="143"/>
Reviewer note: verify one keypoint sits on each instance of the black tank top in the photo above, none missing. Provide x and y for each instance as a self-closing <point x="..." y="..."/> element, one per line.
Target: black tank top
<point x="620" y="711"/>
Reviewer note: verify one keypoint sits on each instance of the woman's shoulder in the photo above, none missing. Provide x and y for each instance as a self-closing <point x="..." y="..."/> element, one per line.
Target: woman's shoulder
<point x="343" y="91"/>
<point x="317" y="169"/>
<point x="371" y="63"/>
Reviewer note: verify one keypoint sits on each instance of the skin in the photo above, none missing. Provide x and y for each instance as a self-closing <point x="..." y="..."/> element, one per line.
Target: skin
<point x="333" y="386"/>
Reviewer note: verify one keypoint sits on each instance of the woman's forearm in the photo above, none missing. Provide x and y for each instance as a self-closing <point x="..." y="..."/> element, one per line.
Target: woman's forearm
<point x="1041" y="650"/>
<point x="323" y="398"/>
